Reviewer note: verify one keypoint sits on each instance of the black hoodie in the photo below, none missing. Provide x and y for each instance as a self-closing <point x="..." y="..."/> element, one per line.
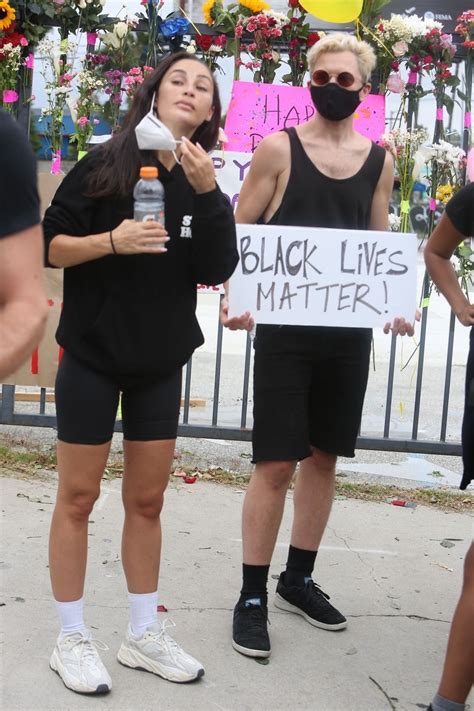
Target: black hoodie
<point x="134" y="315"/>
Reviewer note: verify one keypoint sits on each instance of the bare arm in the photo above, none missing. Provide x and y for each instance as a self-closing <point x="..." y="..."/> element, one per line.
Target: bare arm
<point x="23" y="304"/>
<point x="256" y="196"/>
<point x="438" y="252"/>
<point x="382" y="195"/>
<point x="129" y="237"/>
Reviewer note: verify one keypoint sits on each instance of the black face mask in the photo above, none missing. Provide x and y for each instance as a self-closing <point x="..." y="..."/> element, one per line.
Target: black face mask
<point x="333" y="102"/>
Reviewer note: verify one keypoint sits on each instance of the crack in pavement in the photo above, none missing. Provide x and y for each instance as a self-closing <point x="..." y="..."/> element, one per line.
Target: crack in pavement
<point x="364" y="563"/>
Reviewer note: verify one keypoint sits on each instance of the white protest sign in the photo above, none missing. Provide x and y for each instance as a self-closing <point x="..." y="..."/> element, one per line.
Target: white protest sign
<point x="231" y="169"/>
<point x="326" y="277"/>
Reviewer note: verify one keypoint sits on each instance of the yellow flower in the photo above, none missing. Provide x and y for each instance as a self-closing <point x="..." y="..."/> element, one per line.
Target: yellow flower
<point x="254" y="5"/>
<point x="444" y="193"/>
<point x="207" y="11"/>
<point x="7" y="15"/>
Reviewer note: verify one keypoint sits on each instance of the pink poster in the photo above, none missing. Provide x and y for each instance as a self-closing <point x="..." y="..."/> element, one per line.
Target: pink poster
<point x="256" y="110"/>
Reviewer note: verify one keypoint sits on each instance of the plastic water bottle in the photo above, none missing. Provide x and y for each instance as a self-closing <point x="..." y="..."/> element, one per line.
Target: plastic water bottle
<point x="149" y="196"/>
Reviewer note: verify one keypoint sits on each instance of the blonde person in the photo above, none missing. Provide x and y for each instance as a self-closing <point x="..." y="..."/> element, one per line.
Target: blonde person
<point x="309" y="382"/>
<point x="127" y="327"/>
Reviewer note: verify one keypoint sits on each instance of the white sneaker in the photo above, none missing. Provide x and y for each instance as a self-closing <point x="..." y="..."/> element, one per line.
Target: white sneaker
<point x="158" y="653"/>
<point x="77" y="662"/>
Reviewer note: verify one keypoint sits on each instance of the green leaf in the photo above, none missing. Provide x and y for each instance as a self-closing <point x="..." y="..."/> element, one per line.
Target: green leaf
<point x="449" y="103"/>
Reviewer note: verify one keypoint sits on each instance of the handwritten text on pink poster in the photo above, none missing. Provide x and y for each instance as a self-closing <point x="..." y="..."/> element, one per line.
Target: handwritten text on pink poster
<point x="256" y="110"/>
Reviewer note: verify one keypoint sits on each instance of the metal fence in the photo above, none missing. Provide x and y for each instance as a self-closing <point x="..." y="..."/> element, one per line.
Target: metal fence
<point x="214" y="428"/>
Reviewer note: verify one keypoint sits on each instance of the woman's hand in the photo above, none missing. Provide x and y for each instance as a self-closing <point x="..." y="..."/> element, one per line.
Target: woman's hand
<point x="198" y="166"/>
<point x="132" y="237"/>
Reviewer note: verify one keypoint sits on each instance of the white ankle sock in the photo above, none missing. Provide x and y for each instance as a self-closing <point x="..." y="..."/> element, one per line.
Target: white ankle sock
<point x="439" y="703"/>
<point x="143" y="612"/>
<point x="71" y="616"/>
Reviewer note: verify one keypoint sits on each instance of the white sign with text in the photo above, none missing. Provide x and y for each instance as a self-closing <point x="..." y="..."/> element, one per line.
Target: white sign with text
<point x="327" y="277"/>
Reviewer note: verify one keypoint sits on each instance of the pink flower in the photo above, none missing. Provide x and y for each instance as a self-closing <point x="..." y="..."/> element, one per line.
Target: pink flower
<point x="82" y="121"/>
<point x="395" y="83"/>
<point x="400" y="48"/>
<point x="9" y="96"/>
<point x="29" y="61"/>
<point x="95" y="122"/>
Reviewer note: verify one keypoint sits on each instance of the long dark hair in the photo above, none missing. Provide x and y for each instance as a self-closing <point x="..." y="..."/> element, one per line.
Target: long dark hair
<point x="120" y="158"/>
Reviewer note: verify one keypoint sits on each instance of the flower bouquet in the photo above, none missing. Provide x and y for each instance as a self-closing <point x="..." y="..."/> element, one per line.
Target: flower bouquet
<point x="403" y="146"/>
<point x="225" y="20"/>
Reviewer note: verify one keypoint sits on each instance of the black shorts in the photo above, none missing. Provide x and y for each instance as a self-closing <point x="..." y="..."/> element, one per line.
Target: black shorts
<point x="87" y="401"/>
<point x="309" y="388"/>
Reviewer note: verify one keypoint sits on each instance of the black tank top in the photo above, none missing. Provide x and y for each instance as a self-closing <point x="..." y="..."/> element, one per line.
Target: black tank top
<point x="312" y="199"/>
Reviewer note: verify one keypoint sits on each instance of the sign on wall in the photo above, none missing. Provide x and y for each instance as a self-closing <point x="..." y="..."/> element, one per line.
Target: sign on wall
<point x="327" y="277"/>
<point x="255" y="110"/>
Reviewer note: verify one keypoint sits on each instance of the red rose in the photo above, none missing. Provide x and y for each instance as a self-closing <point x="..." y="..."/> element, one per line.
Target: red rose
<point x="204" y="42"/>
<point x="293" y="3"/>
<point x="312" y="38"/>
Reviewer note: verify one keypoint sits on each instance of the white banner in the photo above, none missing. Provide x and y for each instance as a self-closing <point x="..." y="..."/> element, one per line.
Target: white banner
<point x="231" y="169"/>
<point x="327" y="277"/>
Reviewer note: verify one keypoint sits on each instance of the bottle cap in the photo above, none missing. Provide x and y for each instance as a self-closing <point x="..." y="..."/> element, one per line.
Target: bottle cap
<point x="148" y="172"/>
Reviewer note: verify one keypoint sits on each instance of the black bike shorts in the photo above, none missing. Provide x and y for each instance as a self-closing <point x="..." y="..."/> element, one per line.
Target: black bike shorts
<point x="87" y="402"/>
<point x="309" y="388"/>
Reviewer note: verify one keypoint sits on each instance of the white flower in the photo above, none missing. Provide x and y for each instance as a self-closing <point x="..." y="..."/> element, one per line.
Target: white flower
<point x="120" y="30"/>
<point x="110" y="40"/>
<point x="423" y="155"/>
<point x="280" y="19"/>
<point x="394" y="222"/>
<point x="403" y="28"/>
<point x="191" y="48"/>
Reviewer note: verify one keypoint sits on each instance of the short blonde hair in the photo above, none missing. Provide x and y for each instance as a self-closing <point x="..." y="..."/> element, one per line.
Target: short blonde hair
<point x="342" y="42"/>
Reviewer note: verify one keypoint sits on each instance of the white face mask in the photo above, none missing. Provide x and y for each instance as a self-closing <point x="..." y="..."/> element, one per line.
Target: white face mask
<point x="153" y="135"/>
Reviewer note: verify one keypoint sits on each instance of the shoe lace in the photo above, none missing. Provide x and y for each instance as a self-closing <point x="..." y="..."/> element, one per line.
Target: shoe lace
<point x="257" y="617"/>
<point x="315" y="589"/>
<point x="89" y="646"/>
<point x="163" y="637"/>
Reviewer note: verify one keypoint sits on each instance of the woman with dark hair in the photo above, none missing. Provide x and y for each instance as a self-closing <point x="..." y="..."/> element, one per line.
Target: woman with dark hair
<point x="128" y="326"/>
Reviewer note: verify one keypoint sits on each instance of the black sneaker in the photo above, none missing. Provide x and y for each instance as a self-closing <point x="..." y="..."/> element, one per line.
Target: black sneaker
<point x="311" y="602"/>
<point x="250" y="634"/>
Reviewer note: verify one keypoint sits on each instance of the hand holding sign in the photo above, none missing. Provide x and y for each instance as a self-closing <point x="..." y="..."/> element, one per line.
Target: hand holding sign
<point x="244" y="322"/>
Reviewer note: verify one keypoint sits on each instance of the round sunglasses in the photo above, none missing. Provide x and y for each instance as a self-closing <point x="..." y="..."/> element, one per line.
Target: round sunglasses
<point x="344" y="79"/>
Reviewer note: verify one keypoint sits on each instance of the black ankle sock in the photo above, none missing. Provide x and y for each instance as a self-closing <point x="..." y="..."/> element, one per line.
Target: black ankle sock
<point x="254" y="581"/>
<point x="299" y="565"/>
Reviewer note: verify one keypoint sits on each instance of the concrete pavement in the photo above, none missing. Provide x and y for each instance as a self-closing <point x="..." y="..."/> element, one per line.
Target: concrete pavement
<point x="384" y="567"/>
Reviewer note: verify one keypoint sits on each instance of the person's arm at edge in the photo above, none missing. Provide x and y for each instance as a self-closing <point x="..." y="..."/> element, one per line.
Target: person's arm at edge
<point x="23" y="303"/>
<point x="257" y="191"/>
<point x="438" y="252"/>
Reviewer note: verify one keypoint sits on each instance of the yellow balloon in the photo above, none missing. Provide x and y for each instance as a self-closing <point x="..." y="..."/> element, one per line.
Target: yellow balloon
<point x="334" y="10"/>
